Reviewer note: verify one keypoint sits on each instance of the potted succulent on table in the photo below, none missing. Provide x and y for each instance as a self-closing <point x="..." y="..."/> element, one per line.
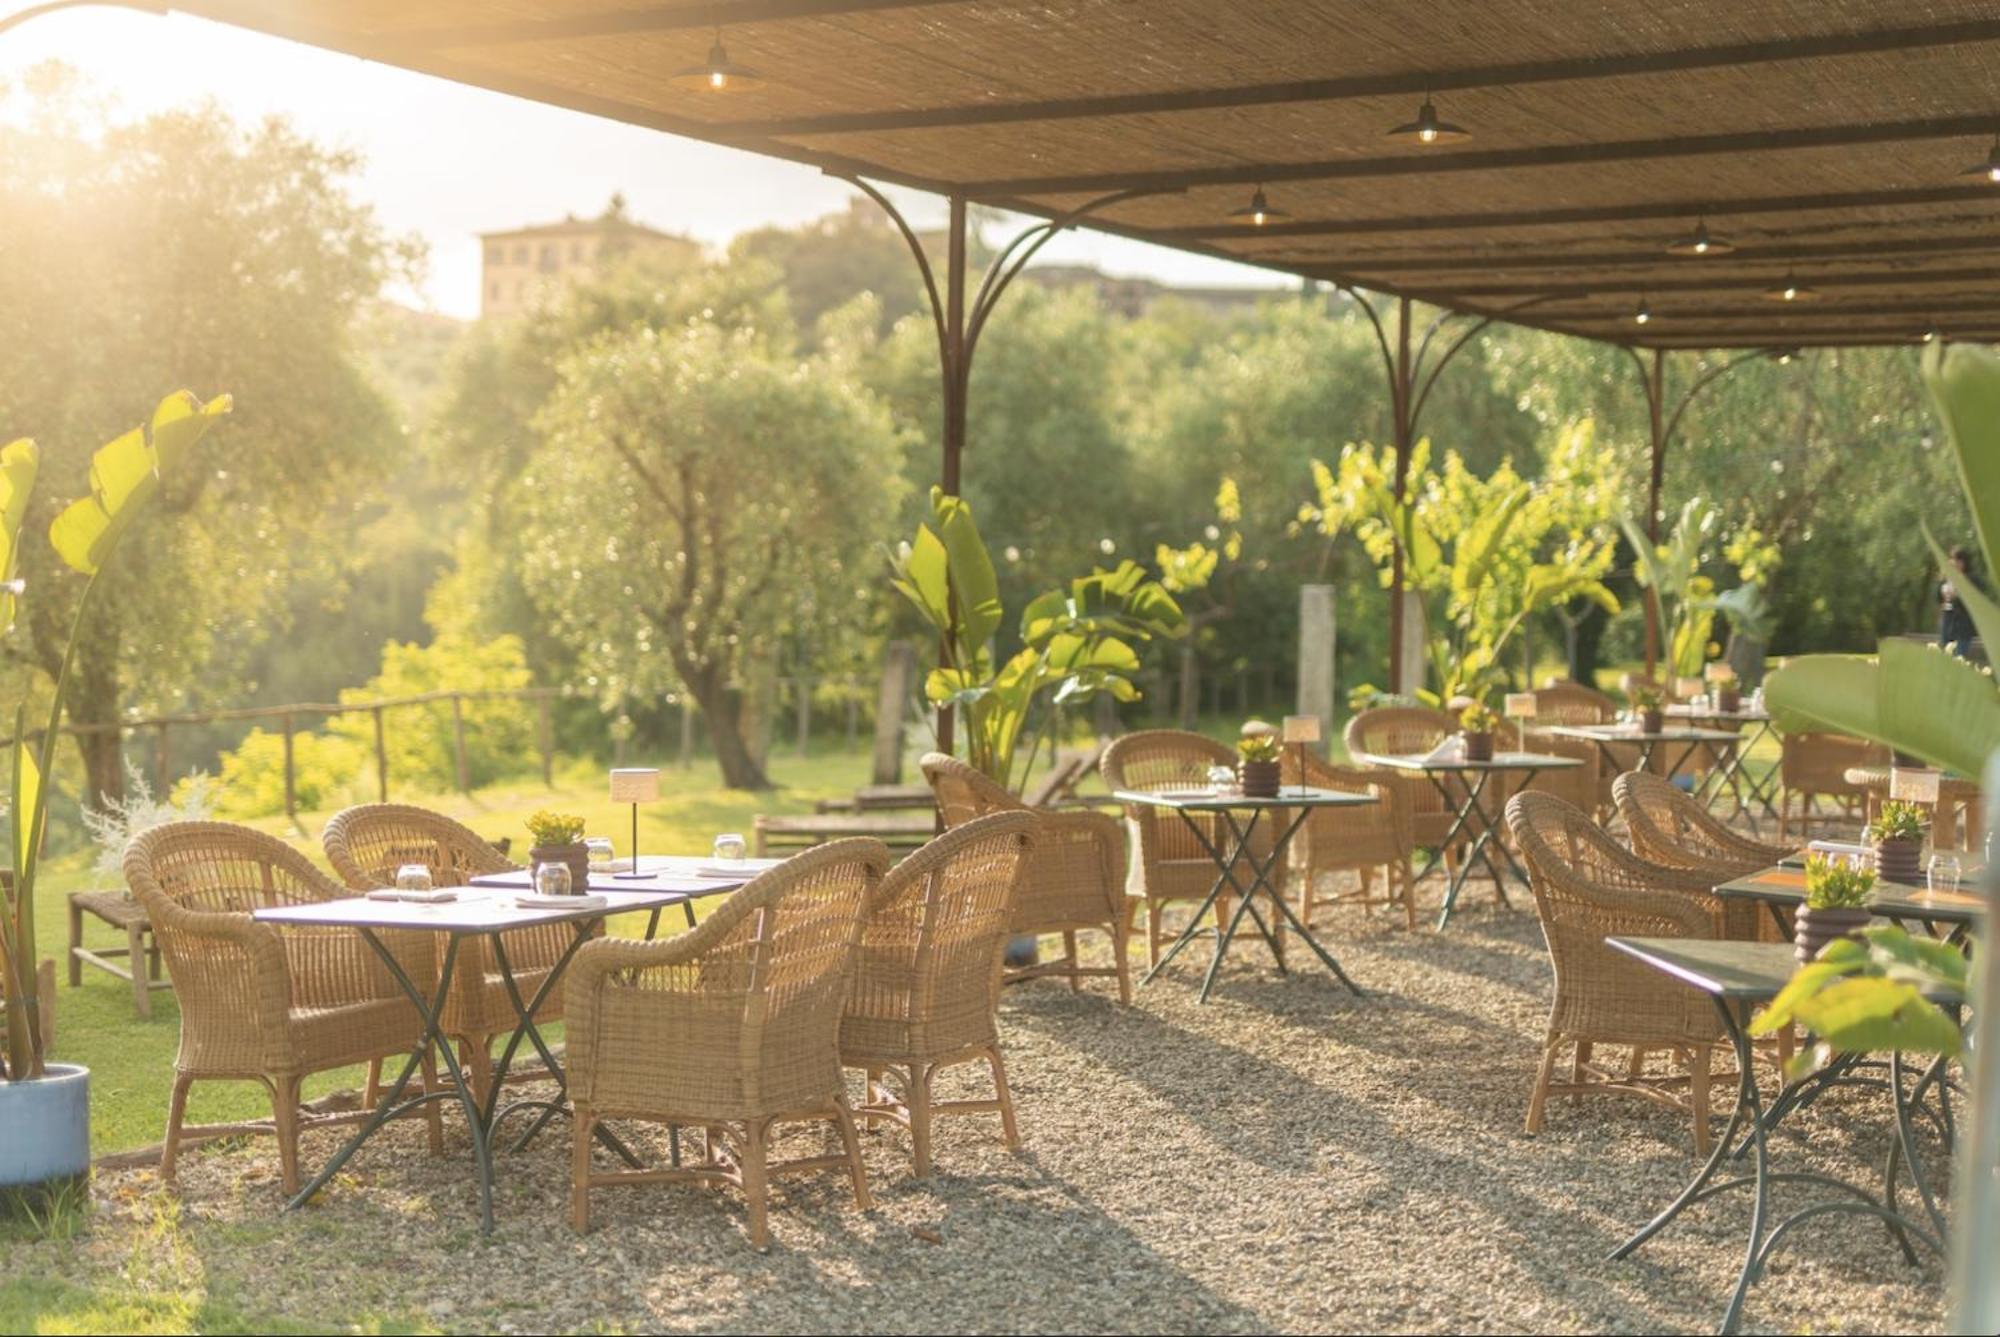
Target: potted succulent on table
<point x="1837" y="891"/>
<point x="1646" y="700"/>
<point x="1728" y="693"/>
<point x="1258" y="769"/>
<point x="1897" y="837"/>
<point x="1476" y="724"/>
<point x="559" y="839"/>
<point x="45" y="1105"/>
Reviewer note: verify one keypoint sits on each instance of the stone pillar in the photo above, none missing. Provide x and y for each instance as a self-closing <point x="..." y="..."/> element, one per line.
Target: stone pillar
<point x="899" y="671"/>
<point x="1316" y="636"/>
<point x="1413" y="659"/>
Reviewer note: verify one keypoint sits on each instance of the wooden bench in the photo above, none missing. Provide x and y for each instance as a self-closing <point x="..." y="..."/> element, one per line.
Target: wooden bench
<point x="899" y="831"/>
<point x="120" y="911"/>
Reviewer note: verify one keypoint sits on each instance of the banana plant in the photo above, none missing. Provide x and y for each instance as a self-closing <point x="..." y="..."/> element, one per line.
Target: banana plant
<point x="124" y="476"/>
<point x="1076" y="642"/>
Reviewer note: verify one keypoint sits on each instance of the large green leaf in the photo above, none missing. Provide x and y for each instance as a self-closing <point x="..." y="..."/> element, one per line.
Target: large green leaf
<point x="922" y="578"/>
<point x="27" y="794"/>
<point x="1937" y="706"/>
<point x="1964" y="380"/>
<point x="1875" y="1015"/>
<point x="974" y="583"/>
<point x="1832" y="692"/>
<point x="19" y="462"/>
<point x="124" y="473"/>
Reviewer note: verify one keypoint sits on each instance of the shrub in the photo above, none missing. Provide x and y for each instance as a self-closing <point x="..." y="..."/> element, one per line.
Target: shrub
<point x="325" y="769"/>
<point x="499" y="732"/>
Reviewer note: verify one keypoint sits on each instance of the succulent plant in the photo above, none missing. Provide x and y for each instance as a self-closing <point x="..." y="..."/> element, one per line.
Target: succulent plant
<point x="1836" y="884"/>
<point x="555" y="828"/>
<point x="1899" y="821"/>
<point x="1478" y="718"/>
<point x="1645" y="696"/>
<point x="1260" y="747"/>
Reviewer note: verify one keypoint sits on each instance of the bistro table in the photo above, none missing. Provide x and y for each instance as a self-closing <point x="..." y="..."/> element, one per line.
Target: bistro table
<point x="1784" y="888"/>
<point x="1738" y="977"/>
<point x="1753" y="793"/>
<point x="1609" y="736"/>
<point x="1470" y="809"/>
<point x="1297" y="800"/>
<point x="486" y="910"/>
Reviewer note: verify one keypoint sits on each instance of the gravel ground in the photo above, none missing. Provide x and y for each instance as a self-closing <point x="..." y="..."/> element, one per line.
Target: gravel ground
<point x="1285" y="1158"/>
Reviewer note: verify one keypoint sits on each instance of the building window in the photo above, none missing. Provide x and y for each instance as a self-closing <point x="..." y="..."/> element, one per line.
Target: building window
<point x="521" y="255"/>
<point x="496" y="255"/>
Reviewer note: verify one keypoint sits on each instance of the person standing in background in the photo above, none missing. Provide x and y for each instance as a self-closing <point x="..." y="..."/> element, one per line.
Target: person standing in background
<point x="1955" y="630"/>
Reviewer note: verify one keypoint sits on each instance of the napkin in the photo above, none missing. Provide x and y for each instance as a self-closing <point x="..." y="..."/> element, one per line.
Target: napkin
<point x="1451" y="749"/>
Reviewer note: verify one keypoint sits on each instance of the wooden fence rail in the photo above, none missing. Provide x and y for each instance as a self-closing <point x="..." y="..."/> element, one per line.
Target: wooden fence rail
<point x="290" y="716"/>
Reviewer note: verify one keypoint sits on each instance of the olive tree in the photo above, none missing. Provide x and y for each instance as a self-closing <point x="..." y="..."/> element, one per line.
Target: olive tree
<point x="700" y="498"/>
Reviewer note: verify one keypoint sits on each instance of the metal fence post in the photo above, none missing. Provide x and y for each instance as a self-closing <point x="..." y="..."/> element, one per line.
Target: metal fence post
<point x="291" y="772"/>
<point x="381" y="759"/>
<point x="545" y="738"/>
<point x="458" y="742"/>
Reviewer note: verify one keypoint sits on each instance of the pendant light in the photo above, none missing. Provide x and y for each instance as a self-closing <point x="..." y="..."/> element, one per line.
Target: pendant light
<point x="1428" y="129"/>
<point x="1989" y="170"/>
<point x="1700" y="242"/>
<point x="718" y="73"/>
<point x="1791" y="290"/>
<point x="1642" y="314"/>
<point x="1258" y="212"/>
<point x="1932" y="333"/>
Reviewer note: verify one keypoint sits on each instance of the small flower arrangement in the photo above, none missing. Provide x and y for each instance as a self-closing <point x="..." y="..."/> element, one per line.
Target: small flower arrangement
<point x="1260" y="747"/>
<point x="555" y="828"/>
<point x="1836" y="884"/>
<point x="1478" y="718"/>
<point x="1899" y="821"/>
<point x="1646" y="697"/>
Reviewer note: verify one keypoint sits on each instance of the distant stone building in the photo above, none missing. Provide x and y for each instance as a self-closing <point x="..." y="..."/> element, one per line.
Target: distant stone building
<point x="1131" y="297"/>
<point x="522" y="267"/>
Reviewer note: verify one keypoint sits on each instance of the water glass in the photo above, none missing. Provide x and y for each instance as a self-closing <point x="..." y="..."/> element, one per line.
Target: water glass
<point x="552" y="879"/>
<point x="602" y="852"/>
<point x="1944" y="873"/>
<point x="1221" y="779"/>
<point x="729" y="847"/>
<point x="413" y="877"/>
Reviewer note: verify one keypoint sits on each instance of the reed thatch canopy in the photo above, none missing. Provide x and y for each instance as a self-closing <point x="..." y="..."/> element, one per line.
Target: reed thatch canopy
<point x="1828" y="140"/>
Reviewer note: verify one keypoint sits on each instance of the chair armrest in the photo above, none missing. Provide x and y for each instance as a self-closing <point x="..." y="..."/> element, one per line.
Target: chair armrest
<point x="1081" y="827"/>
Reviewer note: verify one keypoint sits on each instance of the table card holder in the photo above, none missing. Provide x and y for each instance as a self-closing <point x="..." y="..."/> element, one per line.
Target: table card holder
<point x="1299" y="730"/>
<point x="1519" y="705"/>
<point x="1913" y="784"/>
<point x="1687" y="688"/>
<point x="635" y="785"/>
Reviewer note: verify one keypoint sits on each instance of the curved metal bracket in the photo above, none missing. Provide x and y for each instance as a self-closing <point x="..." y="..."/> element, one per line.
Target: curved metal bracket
<point x="1444" y="358"/>
<point x="916" y="250"/>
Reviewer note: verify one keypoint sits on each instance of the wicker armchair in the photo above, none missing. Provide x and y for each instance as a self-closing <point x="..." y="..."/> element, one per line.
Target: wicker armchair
<point x="1169" y="863"/>
<point x="1358" y="840"/>
<point x="259" y="1003"/>
<point x="1403" y="730"/>
<point x="927" y="978"/>
<point x="1587" y="889"/>
<point x="1075" y="878"/>
<point x="1667" y="827"/>
<point x="731" y="1027"/>
<point x="1814" y="766"/>
<point x="367" y="844"/>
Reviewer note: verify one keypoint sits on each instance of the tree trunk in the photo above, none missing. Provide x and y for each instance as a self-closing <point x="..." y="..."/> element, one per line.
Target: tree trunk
<point x="93" y="700"/>
<point x="724" y="709"/>
<point x="1190" y="693"/>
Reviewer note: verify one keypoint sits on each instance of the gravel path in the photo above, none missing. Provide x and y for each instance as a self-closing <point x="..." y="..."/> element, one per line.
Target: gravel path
<point x="1285" y="1158"/>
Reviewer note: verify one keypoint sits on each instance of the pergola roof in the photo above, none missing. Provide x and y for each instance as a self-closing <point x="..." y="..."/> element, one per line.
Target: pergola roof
<point x="1826" y="138"/>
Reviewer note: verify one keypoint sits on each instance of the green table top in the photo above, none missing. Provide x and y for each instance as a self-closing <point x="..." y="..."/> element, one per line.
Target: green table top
<point x="1195" y="799"/>
<point x="1747" y="971"/>
<point x="1892" y="900"/>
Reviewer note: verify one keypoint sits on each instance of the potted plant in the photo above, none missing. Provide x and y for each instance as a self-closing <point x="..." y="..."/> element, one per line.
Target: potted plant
<point x="559" y="839"/>
<point x="1728" y="695"/>
<point x="1897" y="836"/>
<point x="1258" y="769"/>
<point x="1836" y="904"/>
<point x="1646" y="700"/>
<point x="1476" y="724"/>
<point x="44" y="1105"/>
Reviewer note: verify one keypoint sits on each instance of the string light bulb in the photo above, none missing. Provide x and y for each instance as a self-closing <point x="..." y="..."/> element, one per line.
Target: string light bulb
<point x="718" y="73"/>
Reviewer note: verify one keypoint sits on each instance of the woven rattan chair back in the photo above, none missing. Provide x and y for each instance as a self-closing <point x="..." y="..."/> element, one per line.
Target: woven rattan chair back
<point x="368" y="843"/>
<point x="1156" y="759"/>
<point x="1667" y="826"/>
<point x="1573" y="703"/>
<point x="927" y="979"/>
<point x="220" y="867"/>
<point x="1398" y="730"/>
<point x="964" y="794"/>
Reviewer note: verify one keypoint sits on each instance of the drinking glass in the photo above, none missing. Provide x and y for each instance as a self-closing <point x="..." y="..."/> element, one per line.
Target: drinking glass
<point x="1221" y="779"/>
<point x="552" y="879"/>
<point x="413" y="877"/>
<point x="729" y="847"/>
<point x="602" y="852"/>
<point x="1944" y="873"/>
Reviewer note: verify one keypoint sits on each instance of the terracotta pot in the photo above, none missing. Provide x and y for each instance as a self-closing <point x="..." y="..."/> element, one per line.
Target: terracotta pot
<point x="1478" y="746"/>
<point x="1258" y="778"/>
<point x="1813" y="929"/>
<point x="1899" y="861"/>
<point x="1652" y="721"/>
<point x="1729" y="700"/>
<point x="576" y="856"/>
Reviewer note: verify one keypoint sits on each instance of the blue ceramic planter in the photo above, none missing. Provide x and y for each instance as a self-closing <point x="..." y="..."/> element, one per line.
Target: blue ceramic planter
<point x="45" y="1129"/>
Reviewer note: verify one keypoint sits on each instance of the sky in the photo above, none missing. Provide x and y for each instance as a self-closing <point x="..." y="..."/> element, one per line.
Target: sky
<point x="446" y="162"/>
